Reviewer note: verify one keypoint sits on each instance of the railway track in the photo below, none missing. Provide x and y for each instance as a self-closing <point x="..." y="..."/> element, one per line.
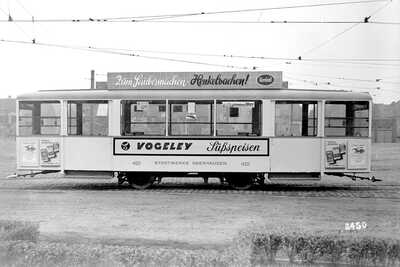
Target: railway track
<point x="285" y="190"/>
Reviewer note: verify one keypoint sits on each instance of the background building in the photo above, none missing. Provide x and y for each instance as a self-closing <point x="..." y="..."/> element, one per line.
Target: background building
<point x="7" y="117"/>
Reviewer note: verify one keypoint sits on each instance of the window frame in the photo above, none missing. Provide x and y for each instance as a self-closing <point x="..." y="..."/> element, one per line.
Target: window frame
<point x="36" y="120"/>
<point x="69" y="117"/>
<point x="258" y="126"/>
<point x="347" y="119"/>
<point x="315" y="123"/>
<point x="123" y="117"/>
<point x="211" y="123"/>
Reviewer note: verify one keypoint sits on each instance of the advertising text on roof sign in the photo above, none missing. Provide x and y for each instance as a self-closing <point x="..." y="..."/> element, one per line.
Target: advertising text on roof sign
<point x="194" y="80"/>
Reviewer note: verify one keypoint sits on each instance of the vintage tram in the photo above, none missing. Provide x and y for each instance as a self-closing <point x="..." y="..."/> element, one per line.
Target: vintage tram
<point x="241" y="127"/>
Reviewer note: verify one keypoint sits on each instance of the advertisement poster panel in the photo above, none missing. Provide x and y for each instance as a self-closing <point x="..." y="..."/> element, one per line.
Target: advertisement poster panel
<point x="49" y="152"/>
<point x="358" y="155"/>
<point x="191" y="147"/>
<point x="335" y="154"/>
<point x="29" y="153"/>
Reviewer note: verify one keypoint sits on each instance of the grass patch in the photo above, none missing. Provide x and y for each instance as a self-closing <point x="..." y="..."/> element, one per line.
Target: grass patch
<point x="320" y="248"/>
<point x="23" y="253"/>
<point x="17" y="230"/>
<point x="251" y="248"/>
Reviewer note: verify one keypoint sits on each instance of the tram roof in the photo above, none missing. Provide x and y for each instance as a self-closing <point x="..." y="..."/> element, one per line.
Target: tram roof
<point x="182" y="94"/>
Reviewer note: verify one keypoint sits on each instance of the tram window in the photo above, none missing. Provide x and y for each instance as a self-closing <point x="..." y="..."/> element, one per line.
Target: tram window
<point x="88" y="118"/>
<point x="233" y="112"/>
<point x="191" y="118"/>
<point x="143" y="117"/>
<point x="238" y="118"/>
<point x="39" y="118"/>
<point x="347" y="118"/>
<point x="296" y="118"/>
<point x="177" y="108"/>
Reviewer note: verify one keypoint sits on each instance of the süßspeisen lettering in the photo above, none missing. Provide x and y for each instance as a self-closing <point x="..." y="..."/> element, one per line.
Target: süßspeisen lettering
<point x="200" y="80"/>
<point x="225" y="147"/>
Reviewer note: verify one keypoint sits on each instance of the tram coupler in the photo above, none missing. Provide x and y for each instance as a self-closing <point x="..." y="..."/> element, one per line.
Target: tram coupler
<point x="31" y="174"/>
<point x="354" y="177"/>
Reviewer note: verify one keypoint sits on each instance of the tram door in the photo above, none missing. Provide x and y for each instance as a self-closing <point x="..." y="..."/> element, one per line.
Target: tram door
<point x="295" y="146"/>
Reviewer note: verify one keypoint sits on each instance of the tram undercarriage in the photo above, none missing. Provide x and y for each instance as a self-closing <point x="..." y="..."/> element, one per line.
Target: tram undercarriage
<point x="238" y="181"/>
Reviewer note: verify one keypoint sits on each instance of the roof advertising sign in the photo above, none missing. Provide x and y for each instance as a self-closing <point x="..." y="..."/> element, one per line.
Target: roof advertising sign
<point x="194" y="80"/>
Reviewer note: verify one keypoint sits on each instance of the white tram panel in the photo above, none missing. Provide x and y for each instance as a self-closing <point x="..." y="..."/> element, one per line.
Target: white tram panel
<point x="88" y="153"/>
<point x="291" y="154"/>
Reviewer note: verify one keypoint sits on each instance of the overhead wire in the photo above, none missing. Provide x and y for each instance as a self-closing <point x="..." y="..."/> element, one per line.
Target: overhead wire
<point x="253" y="9"/>
<point x="377" y="80"/>
<point x="11" y="19"/>
<point x="317" y="83"/>
<point x="201" y="13"/>
<point x="251" y="22"/>
<point x="333" y="84"/>
<point x="32" y="18"/>
<point x="24" y="8"/>
<point x="283" y="59"/>
<point x="93" y="49"/>
<point x="209" y="21"/>
<point x="318" y="60"/>
<point x="366" y="20"/>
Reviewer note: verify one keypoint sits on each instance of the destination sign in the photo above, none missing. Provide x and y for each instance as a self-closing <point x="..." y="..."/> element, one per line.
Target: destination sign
<point x="194" y="80"/>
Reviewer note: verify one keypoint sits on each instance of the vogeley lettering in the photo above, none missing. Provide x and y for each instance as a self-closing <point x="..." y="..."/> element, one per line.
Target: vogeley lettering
<point x="163" y="146"/>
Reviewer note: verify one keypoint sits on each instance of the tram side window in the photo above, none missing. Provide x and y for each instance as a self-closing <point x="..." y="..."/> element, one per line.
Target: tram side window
<point x="191" y="118"/>
<point x="143" y="117"/>
<point x="296" y="118"/>
<point x="347" y="118"/>
<point x="238" y="118"/>
<point x="39" y="118"/>
<point x="89" y="118"/>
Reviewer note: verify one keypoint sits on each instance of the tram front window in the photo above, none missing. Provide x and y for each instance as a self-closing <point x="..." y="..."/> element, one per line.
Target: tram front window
<point x="238" y="118"/>
<point x="143" y="117"/>
<point x="39" y="118"/>
<point x="88" y="118"/>
<point x="347" y="118"/>
<point x="296" y="118"/>
<point x="191" y="118"/>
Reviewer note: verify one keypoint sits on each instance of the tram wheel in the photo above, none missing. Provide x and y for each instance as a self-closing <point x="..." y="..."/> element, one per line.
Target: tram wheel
<point x="140" y="181"/>
<point x="240" y="182"/>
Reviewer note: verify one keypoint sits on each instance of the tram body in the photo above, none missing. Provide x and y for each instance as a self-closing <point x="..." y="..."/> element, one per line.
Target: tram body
<point x="208" y="129"/>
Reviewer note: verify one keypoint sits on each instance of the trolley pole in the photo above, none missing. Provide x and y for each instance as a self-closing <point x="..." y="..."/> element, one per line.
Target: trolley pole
<point x="92" y="80"/>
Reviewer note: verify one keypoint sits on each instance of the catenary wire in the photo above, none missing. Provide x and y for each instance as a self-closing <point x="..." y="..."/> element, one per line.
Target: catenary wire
<point x="366" y="19"/>
<point x="10" y="19"/>
<point x="100" y="50"/>
<point x="168" y="16"/>
<point x="93" y="49"/>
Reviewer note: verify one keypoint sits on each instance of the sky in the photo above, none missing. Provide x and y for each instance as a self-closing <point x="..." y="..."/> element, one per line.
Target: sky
<point x="31" y="67"/>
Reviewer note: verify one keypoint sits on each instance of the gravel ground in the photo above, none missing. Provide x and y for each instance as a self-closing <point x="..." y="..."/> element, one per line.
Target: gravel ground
<point x="178" y="213"/>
